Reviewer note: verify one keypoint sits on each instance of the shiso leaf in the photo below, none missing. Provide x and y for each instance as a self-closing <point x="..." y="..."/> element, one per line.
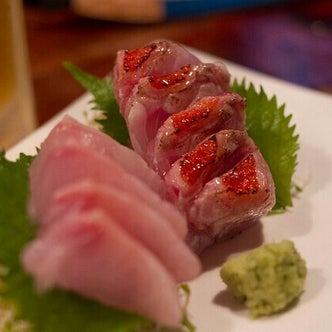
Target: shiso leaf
<point x="273" y="133"/>
<point x="15" y="228"/>
<point x="112" y="122"/>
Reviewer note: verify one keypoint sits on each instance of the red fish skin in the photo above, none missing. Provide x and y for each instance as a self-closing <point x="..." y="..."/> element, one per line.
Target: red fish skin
<point x="231" y="202"/>
<point x="222" y="185"/>
<point x="185" y="143"/>
<point x="215" y="155"/>
<point x="154" y="99"/>
<point x="180" y="88"/>
<point x="182" y="131"/>
<point x="158" y="58"/>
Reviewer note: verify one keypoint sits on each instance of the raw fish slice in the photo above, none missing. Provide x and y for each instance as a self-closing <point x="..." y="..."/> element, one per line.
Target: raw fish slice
<point x="69" y="130"/>
<point x="90" y="254"/>
<point x="145" y="223"/>
<point x="71" y="162"/>
<point x="212" y="157"/>
<point x="156" y="97"/>
<point x="182" y="131"/>
<point x="223" y="186"/>
<point x="158" y="59"/>
<point x="179" y="89"/>
<point x="231" y="202"/>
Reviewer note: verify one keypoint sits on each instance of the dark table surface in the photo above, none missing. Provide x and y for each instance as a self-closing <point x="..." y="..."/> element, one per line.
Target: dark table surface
<point x="289" y="41"/>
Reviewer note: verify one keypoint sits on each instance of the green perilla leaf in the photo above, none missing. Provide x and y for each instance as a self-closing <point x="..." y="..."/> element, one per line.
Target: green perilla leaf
<point x="274" y="134"/>
<point x="112" y="122"/>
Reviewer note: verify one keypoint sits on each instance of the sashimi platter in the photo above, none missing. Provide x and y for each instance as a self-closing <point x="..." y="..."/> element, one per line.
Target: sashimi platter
<point x="181" y="193"/>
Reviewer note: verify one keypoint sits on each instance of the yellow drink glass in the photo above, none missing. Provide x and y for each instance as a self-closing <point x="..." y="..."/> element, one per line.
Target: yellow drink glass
<point x="17" y="116"/>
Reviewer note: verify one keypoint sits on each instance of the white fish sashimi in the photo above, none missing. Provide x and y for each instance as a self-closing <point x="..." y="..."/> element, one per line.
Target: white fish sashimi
<point x="146" y="223"/>
<point x="70" y="163"/>
<point x="69" y="130"/>
<point x="103" y="232"/>
<point x="92" y="255"/>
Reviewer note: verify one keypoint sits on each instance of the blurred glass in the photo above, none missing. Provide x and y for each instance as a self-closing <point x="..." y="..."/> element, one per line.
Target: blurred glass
<point x="17" y="116"/>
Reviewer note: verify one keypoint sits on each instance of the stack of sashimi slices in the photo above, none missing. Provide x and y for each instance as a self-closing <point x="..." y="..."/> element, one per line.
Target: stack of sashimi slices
<point x="124" y="225"/>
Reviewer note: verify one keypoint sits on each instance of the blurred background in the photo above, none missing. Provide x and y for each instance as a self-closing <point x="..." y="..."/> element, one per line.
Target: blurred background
<point x="291" y="40"/>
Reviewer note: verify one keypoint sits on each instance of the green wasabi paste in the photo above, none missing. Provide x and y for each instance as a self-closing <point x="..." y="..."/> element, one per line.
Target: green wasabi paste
<point x="266" y="279"/>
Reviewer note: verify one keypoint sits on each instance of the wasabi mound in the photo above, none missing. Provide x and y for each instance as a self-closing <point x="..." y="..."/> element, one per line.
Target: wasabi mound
<point x="266" y="279"/>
